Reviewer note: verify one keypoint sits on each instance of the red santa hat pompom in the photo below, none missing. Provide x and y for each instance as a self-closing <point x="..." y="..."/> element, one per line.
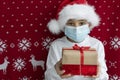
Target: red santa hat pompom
<point x="73" y="9"/>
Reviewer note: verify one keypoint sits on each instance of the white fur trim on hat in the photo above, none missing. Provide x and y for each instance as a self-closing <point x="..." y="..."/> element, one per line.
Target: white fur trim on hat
<point x="75" y="11"/>
<point x="53" y="26"/>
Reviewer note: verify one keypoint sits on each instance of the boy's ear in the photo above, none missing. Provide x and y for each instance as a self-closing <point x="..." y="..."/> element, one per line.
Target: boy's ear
<point x="89" y="24"/>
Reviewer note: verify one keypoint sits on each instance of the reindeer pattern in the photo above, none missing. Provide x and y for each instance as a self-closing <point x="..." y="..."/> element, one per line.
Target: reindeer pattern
<point x="36" y="63"/>
<point x="4" y="65"/>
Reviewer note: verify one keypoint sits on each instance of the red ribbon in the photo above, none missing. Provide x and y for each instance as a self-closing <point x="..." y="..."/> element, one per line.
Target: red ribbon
<point x="76" y="47"/>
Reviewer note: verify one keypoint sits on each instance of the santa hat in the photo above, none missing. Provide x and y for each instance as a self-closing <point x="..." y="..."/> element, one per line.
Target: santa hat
<point x="73" y="9"/>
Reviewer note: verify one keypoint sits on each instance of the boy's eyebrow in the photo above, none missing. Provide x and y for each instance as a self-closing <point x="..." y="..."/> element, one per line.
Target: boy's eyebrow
<point x="71" y="20"/>
<point x="81" y="20"/>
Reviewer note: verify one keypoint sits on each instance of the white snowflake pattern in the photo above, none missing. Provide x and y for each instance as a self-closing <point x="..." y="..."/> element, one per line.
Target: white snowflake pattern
<point x="24" y="44"/>
<point x="25" y="78"/>
<point x="114" y="77"/>
<point x="112" y="64"/>
<point x="115" y="43"/>
<point x="3" y="46"/>
<point x="46" y="43"/>
<point x="19" y="64"/>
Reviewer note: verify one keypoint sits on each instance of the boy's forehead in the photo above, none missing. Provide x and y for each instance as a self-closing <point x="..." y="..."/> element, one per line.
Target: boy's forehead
<point x="70" y="20"/>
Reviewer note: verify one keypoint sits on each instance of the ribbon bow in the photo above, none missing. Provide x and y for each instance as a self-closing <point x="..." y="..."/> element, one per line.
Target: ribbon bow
<point x="76" y="47"/>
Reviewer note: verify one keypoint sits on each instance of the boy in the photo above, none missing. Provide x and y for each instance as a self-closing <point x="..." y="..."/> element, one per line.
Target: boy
<point x="76" y="19"/>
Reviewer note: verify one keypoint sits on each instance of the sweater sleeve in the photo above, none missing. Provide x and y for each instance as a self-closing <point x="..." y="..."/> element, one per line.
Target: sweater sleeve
<point x="52" y="59"/>
<point x="103" y="68"/>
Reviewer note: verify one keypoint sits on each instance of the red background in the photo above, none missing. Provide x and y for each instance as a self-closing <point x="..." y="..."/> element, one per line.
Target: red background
<point x="23" y="32"/>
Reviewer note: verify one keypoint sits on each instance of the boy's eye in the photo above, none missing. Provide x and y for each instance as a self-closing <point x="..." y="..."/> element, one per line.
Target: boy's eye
<point x="81" y="23"/>
<point x="72" y="24"/>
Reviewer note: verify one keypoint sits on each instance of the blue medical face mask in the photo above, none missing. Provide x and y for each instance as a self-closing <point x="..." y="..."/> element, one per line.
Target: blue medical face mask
<point x="77" y="34"/>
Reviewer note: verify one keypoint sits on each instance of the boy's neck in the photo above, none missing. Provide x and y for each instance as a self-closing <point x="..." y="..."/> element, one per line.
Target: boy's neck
<point x="71" y="40"/>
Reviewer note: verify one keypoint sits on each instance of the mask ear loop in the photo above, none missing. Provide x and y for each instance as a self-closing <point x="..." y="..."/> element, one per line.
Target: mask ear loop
<point x="64" y="29"/>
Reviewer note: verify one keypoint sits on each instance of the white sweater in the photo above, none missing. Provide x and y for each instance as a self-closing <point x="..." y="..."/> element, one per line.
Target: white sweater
<point x="55" y="54"/>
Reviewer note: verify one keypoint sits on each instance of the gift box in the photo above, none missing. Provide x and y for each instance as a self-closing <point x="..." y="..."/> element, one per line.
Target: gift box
<point x="80" y="61"/>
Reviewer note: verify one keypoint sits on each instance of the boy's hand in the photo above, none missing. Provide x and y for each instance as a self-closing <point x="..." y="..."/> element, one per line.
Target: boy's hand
<point x="60" y="72"/>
